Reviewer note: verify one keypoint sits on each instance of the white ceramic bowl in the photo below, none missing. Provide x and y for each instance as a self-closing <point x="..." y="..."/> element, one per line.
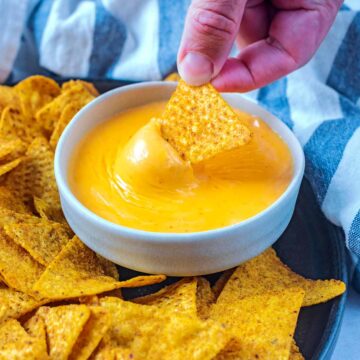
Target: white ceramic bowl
<point x="172" y="253"/>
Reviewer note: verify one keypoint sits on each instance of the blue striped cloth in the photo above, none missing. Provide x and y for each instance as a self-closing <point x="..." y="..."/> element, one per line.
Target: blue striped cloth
<point x="138" y="40"/>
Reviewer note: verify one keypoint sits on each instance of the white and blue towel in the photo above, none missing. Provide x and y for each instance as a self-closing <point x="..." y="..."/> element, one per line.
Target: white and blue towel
<point x="138" y="40"/>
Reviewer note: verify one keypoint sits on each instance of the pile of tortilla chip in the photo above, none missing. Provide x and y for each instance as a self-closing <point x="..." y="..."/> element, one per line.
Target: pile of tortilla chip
<point x="60" y="300"/>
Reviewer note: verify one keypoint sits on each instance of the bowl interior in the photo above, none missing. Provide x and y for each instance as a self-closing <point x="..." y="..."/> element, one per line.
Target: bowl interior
<point x="127" y="97"/>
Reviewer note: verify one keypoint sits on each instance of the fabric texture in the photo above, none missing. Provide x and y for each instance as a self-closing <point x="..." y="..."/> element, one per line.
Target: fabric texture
<point x="138" y="40"/>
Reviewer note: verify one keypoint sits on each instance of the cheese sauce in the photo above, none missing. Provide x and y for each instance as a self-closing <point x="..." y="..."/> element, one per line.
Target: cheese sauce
<point x="125" y="172"/>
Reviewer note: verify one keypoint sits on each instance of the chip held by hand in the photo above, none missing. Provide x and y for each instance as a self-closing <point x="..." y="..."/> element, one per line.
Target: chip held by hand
<point x="199" y="124"/>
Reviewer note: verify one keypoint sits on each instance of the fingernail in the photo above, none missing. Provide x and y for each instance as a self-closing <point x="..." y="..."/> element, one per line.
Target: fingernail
<point x="195" y="69"/>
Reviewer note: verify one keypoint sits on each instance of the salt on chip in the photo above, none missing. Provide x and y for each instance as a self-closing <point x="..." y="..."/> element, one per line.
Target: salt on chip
<point x="43" y="242"/>
<point x="35" y="92"/>
<point x="77" y="271"/>
<point x="17" y="267"/>
<point x="92" y="333"/>
<point x="179" y="297"/>
<point x="5" y="168"/>
<point x="151" y="333"/>
<point x="262" y="325"/>
<point x="13" y="123"/>
<point x="77" y="94"/>
<point x="267" y="273"/>
<point x="199" y="124"/>
<point x="35" y="176"/>
<point x="204" y="298"/>
<point x="16" y="303"/>
<point x="16" y="343"/>
<point x="295" y="353"/>
<point x="63" y="325"/>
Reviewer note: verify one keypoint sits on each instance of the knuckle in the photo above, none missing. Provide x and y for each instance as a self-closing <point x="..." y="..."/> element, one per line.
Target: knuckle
<point x="212" y="23"/>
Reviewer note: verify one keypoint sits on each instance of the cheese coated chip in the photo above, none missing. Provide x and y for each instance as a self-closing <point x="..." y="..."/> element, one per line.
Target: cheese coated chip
<point x="16" y="303"/>
<point x="262" y="325"/>
<point x="179" y="297"/>
<point x="92" y="333"/>
<point x="77" y="271"/>
<point x="266" y="273"/>
<point x="17" y="267"/>
<point x="63" y="325"/>
<point x="199" y="124"/>
<point x="43" y="242"/>
<point x="34" y="92"/>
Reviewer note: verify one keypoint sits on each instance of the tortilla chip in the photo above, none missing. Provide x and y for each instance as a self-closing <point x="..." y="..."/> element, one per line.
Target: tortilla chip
<point x="35" y="176"/>
<point x="199" y="124"/>
<point x="221" y="282"/>
<point x="266" y="273"/>
<point x="16" y="343"/>
<point x="92" y="333"/>
<point x="77" y="94"/>
<point x="45" y="211"/>
<point x="80" y="83"/>
<point x="179" y="297"/>
<point x="64" y="325"/>
<point x="42" y="242"/>
<point x="67" y="115"/>
<point x="204" y="298"/>
<point x="263" y="325"/>
<point x="77" y="271"/>
<point x="173" y="77"/>
<point x="16" y="303"/>
<point x="109" y="267"/>
<point x="17" y="267"/>
<point x="295" y="353"/>
<point x="9" y="201"/>
<point x="13" y="123"/>
<point x="11" y="149"/>
<point x="152" y="333"/>
<point x="5" y="168"/>
<point x="35" y="92"/>
<point x="35" y="327"/>
<point x="8" y="96"/>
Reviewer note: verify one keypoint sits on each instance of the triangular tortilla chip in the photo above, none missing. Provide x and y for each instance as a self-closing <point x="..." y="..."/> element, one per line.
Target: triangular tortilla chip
<point x="199" y="124"/>
<point x="13" y="123"/>
<point x="262" y="325"/>
<point x="49" y="115"/>
<point x="92" y="333"/>
<point x="204" y="298"/>
<point x="16" y="304"/>
<point x="154" y="334"/>
<point x="63" y="325"/>
<point x="11" y="148"/>
<point x="35" y="176"/>
<point x="17" y="267"/>
<point x="9" y="201"/>
<point x="16" y="343"/>
<point x="5" y="168"/>
<point x="77" y="271"/>
<point x="35" y="327"/>
<point x="266" y="273"/>
<point x="42" y="242"/>
<point x="35" y="92"/>
<point x="179" y="297"/>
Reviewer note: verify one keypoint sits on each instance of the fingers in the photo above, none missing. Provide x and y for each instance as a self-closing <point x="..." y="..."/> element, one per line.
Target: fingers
<point x="210" y="30"/>
<point x="258" y="65"/>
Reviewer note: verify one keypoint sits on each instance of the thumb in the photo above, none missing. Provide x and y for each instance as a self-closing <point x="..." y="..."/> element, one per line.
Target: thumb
<point x="210" y="30"/>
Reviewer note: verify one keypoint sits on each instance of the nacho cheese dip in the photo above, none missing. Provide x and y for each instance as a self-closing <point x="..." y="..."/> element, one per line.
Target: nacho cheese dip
<point x="125" y="172"/>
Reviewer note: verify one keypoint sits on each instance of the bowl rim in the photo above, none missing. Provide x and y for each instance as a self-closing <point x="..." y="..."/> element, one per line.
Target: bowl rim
<point x="65" y="191"/>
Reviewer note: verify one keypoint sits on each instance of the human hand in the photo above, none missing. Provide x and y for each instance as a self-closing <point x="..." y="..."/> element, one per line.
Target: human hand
<point x="275" y="37"/>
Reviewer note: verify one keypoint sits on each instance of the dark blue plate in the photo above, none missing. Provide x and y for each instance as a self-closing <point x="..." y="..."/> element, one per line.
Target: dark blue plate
<point x="312" y="247"/>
